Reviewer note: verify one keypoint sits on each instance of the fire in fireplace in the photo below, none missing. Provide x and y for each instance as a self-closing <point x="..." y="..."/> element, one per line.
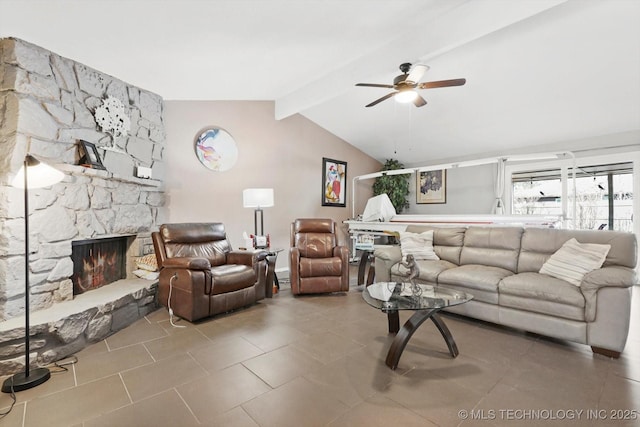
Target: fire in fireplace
<point x="98" y="262"/>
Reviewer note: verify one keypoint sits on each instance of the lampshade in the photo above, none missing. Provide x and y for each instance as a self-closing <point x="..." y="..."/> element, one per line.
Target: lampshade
<point x="405" y="96"/>
<point x="257" y="198"/>
<point x="40" y="174"/>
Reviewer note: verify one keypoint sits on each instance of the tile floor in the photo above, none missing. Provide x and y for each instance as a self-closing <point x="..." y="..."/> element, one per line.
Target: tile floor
<point x="319" y="361"/>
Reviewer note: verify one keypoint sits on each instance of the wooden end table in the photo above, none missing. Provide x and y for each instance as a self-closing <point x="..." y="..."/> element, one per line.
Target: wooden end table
<point x="272" y="278"/>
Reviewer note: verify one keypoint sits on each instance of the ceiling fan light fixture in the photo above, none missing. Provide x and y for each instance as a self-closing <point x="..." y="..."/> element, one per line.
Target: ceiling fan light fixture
<point x="404" y="86"/>
<point x="406" y="96"/>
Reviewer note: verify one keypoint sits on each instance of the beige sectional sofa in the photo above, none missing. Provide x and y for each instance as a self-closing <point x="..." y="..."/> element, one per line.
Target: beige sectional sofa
<point x="499" y="267"/>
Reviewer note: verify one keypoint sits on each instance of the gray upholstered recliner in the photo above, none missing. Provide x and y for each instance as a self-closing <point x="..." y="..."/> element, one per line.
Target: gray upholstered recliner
<point x="203" y="273"/>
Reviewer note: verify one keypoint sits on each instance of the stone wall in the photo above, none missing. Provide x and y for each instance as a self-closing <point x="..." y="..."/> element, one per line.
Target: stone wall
<point x="47" y="104"/>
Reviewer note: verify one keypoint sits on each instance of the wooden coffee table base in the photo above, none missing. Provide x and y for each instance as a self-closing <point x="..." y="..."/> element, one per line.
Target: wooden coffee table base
<point x="403" y="335"/>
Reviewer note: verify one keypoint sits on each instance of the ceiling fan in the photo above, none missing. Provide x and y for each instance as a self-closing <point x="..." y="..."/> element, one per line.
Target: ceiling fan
<point x="406" y="83"/>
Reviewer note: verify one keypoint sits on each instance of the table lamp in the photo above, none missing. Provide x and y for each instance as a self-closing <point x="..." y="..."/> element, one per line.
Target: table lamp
<point x="257" y="198"/>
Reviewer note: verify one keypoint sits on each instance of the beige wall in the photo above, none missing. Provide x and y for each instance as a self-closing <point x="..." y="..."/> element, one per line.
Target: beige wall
<point x="285" y="155"/>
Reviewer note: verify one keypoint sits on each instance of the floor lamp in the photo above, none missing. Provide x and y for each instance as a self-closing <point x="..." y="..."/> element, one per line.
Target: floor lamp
<point x="257" y="198"/>
<point x="32" y="174"/>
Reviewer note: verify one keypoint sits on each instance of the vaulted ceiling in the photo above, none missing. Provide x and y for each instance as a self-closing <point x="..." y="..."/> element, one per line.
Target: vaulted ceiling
<point x="538" y="72"/>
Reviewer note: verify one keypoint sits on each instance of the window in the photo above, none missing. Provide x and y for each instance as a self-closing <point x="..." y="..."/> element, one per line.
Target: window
<point x="605" y="197"/>
<point x="537" y="192"/>
<point x="603" y="191"/>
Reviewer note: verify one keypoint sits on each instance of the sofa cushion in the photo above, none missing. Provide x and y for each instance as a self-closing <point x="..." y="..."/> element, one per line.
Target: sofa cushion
<point x="196" y="240"/>
<point x="231" y="277"/>
<point x="542" y="294"/>
<point x="315" y="245"/>
<point x="479" y="295"/>
<point x="420" y="245"/>
<point x="320" y="267"/>
<point x="481" y="277"/>
<point x="574" y="259"/>
<point x="447" y="241"/>
<point x="540" y="243"/>
<point x="429" y="270"/>
<point x="492" y="246"/>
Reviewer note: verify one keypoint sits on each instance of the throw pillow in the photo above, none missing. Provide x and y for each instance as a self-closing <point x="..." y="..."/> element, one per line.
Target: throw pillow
<point x="420" y="245"/>
<point x="147" y="262"/>
<point x="146" y="274"/>
<point x="574" y="260"/>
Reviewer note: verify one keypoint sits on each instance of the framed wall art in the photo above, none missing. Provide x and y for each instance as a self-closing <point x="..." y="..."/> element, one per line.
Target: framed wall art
<point x="334" y="182"/>
<point x="216" y="149"/>
<point x="89" y="155"/>
<point x="431" y="187"/>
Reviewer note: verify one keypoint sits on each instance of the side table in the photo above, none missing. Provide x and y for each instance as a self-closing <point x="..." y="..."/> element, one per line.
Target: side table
<point x="366" y="260"/>
<point x="272" y="278"/>
<point x="367" y="265"/>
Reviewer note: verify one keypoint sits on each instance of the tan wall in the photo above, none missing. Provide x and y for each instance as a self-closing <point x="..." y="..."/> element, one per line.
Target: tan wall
<point x="284" y="155"/>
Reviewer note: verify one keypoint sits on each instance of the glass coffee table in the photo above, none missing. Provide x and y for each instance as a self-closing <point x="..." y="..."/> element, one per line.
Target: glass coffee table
<point x="426" y="301"/>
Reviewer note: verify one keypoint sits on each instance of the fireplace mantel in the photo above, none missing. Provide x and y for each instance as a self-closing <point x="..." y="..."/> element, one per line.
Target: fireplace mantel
<point x="84" y="171"/>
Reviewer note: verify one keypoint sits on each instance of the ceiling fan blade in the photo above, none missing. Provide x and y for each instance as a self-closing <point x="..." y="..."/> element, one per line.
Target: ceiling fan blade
<point x="379" y="100"/>
<point x="442" y="83"/>
<point x="416" y="73"/>
<point x="419" y="101"/>
<point x="374" y="85"/>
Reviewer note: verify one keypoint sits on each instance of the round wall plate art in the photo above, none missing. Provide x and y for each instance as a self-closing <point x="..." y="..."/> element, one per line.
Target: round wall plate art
<point x="216" y="149"/>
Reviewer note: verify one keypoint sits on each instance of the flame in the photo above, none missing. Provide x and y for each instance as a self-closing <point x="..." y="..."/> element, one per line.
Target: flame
<point x="98" y="270"/>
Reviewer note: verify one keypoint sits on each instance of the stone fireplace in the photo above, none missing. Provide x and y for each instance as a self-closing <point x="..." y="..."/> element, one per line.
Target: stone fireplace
<point x="47" y="105"/>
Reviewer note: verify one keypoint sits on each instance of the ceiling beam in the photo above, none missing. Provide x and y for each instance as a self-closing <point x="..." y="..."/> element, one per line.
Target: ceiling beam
<point x="459" y="23"/>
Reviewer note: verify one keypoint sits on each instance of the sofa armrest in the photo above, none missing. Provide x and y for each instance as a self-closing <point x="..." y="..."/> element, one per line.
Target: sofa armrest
<point x="187" y="263"/>
<point x="249" y="258"/>
<point x="621" y="277"/>
<point x="340" y="251"/>
<point x="294" y="269"/>
<point x="385" y="258"/>
<point x="189" y="289"/>
<point x="388" y="253"/>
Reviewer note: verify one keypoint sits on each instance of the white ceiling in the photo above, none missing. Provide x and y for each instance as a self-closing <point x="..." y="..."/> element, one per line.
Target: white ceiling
<point x="538" y="71"/>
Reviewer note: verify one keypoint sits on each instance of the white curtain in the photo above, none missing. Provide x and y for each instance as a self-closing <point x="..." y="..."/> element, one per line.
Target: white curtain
<point x="498" y="207"/>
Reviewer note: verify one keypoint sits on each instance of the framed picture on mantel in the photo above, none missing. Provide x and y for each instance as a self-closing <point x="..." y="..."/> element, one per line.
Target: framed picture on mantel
<point x="334" y="182"/>
<point x="431" y="187"/>
<point x="89" y="155"/>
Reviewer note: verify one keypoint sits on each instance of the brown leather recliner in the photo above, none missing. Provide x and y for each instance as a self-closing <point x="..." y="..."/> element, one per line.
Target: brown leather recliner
<point x="316" y="262"/>
<point x="210" y="277"/>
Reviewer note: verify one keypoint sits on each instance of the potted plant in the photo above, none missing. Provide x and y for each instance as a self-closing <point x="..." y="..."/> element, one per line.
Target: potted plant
<point x="396" y="186"/>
